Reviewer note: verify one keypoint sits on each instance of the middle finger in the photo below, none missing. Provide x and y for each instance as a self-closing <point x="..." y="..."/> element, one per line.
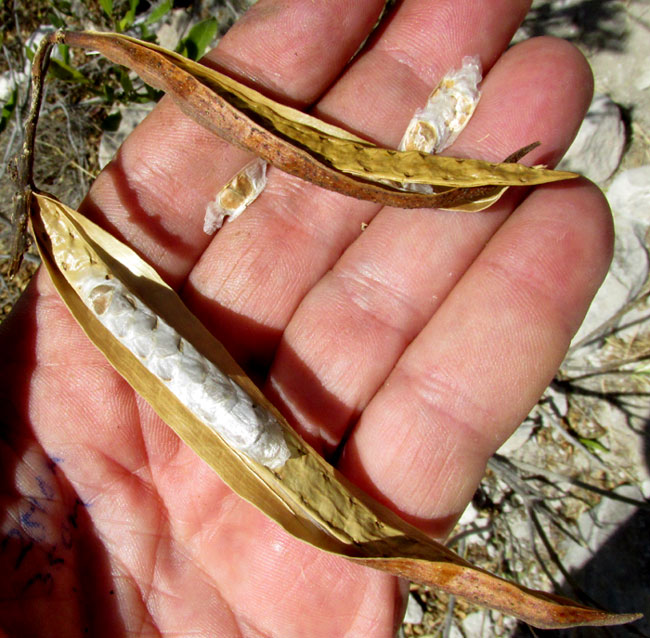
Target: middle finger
<point x="257" y="270"/>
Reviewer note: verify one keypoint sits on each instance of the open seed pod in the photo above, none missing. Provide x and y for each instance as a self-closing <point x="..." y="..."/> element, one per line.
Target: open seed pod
<point x="305" y="146"/>
<point x="98" y="277"/>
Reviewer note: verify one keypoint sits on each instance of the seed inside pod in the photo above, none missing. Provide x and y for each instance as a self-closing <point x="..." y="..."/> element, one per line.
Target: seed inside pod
<point x="210" y="394"/>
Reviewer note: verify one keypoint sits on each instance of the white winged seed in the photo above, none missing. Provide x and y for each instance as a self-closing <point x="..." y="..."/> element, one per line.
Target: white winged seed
<point x="212" y="396"/>
<point x="448" y="109"/>
<point x="236" y="196"/>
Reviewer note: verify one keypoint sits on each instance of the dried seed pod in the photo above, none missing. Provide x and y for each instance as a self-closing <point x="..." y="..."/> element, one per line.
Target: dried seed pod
<point x="152" y="339"/>
<point x="432" y="129"/>
<point x="305" y="146"/>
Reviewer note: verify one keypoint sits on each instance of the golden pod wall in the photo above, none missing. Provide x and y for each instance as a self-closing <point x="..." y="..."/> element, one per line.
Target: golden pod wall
<point x="262" y="458"/>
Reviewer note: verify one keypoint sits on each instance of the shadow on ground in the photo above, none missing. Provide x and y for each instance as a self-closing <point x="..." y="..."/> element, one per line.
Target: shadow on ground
<point x="596" y="24"/>
<point x="617" y="577"/>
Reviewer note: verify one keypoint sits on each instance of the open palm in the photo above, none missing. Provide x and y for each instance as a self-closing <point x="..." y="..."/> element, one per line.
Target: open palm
<point x="406" y="352"/>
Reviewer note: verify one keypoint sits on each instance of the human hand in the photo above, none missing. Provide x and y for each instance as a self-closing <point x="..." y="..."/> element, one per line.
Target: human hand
<point x="407" y="352"/>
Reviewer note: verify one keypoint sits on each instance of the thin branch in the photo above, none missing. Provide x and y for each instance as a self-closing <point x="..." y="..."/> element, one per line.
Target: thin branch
<point x="471" y="531"/>
<point x="25" y="161"/>
<point x="535" y="528"/>
<point x="72" y="163"/>
<point x="561" y="478"/>
<point x="9" y="150"/>
<point x="555" y="558"/>
<point x="574" y="442"/>
<point x="449" y="617"/>
<point x="608" y="327"/>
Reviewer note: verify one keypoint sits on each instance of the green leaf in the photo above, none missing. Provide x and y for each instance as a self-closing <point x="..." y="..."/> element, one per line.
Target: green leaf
<point x="153" y="95"/>
<point x="29" y="52"/>
<point x="198" y="39"/>
<point x="8" y="109"/>
<point x="62" y="71"/>
<point x="147" y="34"/>
<point x="107" y="6"/>
<point x="125" y="82"/>
<point x="129" y="16"/>
<point x="109" y="93"/>
<point x="593" y="445"/>
<point x="64" y="52"/>
<point x="112" y="122"/>
<point x="159" y="11"/>
<point x="64" y="6"/>
<point x="54" y="19"/>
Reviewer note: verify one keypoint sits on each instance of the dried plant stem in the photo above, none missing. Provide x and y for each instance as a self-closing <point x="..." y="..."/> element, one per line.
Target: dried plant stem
<point x="556" y="477"/>
<point x="25" y="160"/>
<point x="610" y="326"/>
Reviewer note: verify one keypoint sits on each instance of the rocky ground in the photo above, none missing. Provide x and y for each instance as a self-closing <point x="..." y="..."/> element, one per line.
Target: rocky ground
<point x="565" y="503"/>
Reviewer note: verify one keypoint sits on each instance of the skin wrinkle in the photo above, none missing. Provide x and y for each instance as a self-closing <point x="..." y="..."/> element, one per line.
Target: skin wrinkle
<point x="426" y="434"/>
<point x="252" y="253"/>
<point x="214" y="287"/>
<point x="158" y="591"/>
<point x="531" y="344"/>
<point x="415" y="495"/>
<point x="270" y="226"/>
<point x="121" y="476"/>
<point x="520" y="270"/>
<point x="291" y="197"/>
<point x="241" y="296"/>
<point x="422" y="82"/>
<point x="445" y="382"/>
<point x="442" y="395"/>
<point x="146" y="582"/>
<point x="379" y="299"/>
<point x="524" y="288"/>
<point x="410" y="42"/>
<point x="182" y="208"/>
<point x="301" y="83"/>
<point x="380" y="125"/>
<point x="121" y="574"/>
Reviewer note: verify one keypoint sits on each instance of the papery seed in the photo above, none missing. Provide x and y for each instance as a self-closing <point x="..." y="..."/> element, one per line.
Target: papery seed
<point x="197" y="383"/>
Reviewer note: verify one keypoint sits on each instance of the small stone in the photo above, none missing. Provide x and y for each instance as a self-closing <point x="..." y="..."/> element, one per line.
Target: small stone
<point x="598" y="147"/>
<point x="629" y="194"/>
<point x="629" y="198"/>
<point x="469" y="516"/>
<point x="414" y="613"/>
<point x="643" y="80"/>
<point x="518" y="439"/>
<point x="478" y="624"/>
<point x="645" y="489"/>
